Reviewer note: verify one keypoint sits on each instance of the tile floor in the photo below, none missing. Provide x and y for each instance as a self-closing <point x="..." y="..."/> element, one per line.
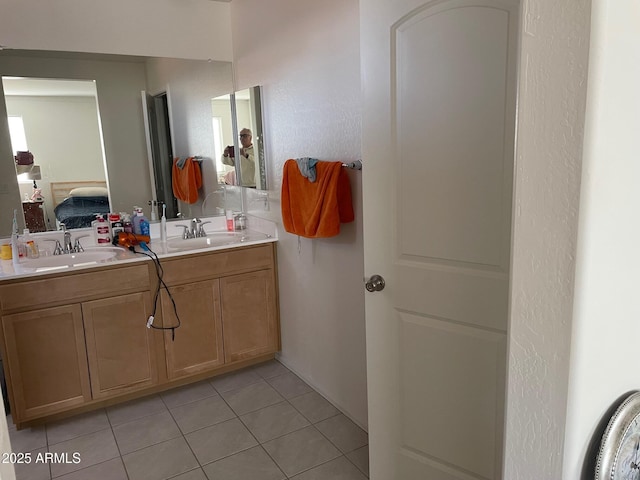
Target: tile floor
<point x="261" y="423"/>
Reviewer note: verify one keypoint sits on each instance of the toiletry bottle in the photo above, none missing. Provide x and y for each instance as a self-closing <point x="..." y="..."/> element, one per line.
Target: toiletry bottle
<point x="22" y="247"/>
<point x="154" y="213"/>
<point x="30" y="246"/>
<point x="127" y="225"/>
<point x="101" y="230"/>
<point x="230" y="222"/>
<point x="140" y="223"/>
<point x="240" y="221"/>
<point x="137" y="216"/>
<point x="115" y="224"/>
<point x="144" y="226"/>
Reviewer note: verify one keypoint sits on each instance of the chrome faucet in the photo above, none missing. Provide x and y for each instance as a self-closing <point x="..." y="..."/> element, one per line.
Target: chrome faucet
<point x="201" y="232"/>
<point x="195" y="224"/>
<point x="57" y="249"/>
<point x="77" y="246"/>
<point x="67" y="244"/>
<point x="197" y="228"/>
<point x="194" y="230"/>
<point x="187" y="232"/>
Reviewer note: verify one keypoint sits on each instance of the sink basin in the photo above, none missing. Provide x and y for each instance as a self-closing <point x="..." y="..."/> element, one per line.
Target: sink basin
<point x="88" y="257"/>
<point x="213" y="239"/>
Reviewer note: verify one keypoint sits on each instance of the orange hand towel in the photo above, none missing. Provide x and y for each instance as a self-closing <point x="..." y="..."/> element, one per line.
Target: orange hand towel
<point x="186" y="181"/>
<point x="315" y="210"/>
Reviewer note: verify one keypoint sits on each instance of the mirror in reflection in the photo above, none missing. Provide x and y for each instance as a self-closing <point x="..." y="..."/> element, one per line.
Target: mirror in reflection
<point x="58" y="119"/>
<point x="248" y="114"/>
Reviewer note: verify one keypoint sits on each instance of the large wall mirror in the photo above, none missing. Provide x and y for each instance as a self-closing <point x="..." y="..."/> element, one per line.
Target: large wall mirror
<point x="98" y="132"/>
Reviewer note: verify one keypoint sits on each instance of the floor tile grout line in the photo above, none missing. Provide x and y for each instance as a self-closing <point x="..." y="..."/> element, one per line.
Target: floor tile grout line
<point x="80" y="436"/>
<point x="311" y="421"/>
<point x="90" y="466"/>
<point x="141" y="416"/>
<point x="313" y="390"/>
<point x="115" y="439"/>
<point x="151" y="444"/>
<point x="254" y="437"/>
<point x="354" y="463"/>
<point x="185" y="439"/>
<point x="220" y="392"/>
<point x="261" y="444"/>
<point x="279" y="436"/>
<point x="316" y="466"/>
<point x="99" y="463"/>
<point x="310" y="425"/>
<point x="32" y="457"/>
<point x="183" y="473"/>
<point x="273" y="460"/>
<point x="248" y="385"/>
<point x="215" y="394"/>
<point x="72" y="419"/>
<point x="334" y="444"/>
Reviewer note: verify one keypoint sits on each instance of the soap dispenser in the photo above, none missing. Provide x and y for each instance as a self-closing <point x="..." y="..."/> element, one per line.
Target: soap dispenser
<point x="140" y="223"/>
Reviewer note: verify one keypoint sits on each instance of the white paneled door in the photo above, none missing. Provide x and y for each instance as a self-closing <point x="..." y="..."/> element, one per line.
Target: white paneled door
<point x="438" y="139"/>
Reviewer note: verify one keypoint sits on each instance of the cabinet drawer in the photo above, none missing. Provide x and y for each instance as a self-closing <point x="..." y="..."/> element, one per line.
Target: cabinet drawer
<point x="74" y="288"/>
<point x="217" y="264"/>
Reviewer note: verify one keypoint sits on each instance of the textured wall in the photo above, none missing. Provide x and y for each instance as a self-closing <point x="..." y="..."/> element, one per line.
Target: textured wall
<point x="554" y="52"/>
<point x="306" y="56"/>
<point x="604" y="355"/>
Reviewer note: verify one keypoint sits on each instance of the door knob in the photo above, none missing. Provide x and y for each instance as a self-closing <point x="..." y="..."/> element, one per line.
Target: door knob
<point x="375" y="283"/>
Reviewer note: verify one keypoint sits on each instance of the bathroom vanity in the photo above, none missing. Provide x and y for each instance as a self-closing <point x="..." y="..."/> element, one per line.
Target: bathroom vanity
<point x="79" y="340"/>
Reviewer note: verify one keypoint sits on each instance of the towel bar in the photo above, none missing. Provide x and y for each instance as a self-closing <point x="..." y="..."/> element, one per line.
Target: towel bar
<point x="357" y="165"/>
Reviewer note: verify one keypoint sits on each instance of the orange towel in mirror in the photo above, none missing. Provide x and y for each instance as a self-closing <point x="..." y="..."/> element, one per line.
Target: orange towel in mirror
<point x="186" y="181"/>
<point x="315" y="210"/>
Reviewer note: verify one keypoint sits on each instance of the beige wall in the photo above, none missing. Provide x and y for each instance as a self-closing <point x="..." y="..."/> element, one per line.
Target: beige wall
<point x="306" y="56"/>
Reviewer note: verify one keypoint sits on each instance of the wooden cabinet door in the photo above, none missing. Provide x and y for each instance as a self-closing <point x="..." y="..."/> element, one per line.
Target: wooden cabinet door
<point x="249" y="315"/>
<point x="197" y="345"/>
<point x="120" y="347"/>
<point x="47" y="361"/>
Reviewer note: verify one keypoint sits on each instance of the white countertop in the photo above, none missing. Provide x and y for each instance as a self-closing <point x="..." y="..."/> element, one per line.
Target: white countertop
<point x="218" y="238"/>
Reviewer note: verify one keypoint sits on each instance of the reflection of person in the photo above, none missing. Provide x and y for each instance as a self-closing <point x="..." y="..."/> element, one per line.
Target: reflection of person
<point x="247" y="160"/>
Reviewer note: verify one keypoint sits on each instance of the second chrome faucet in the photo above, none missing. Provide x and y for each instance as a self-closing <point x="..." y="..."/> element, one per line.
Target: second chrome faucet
<point x="195" y="230"/>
